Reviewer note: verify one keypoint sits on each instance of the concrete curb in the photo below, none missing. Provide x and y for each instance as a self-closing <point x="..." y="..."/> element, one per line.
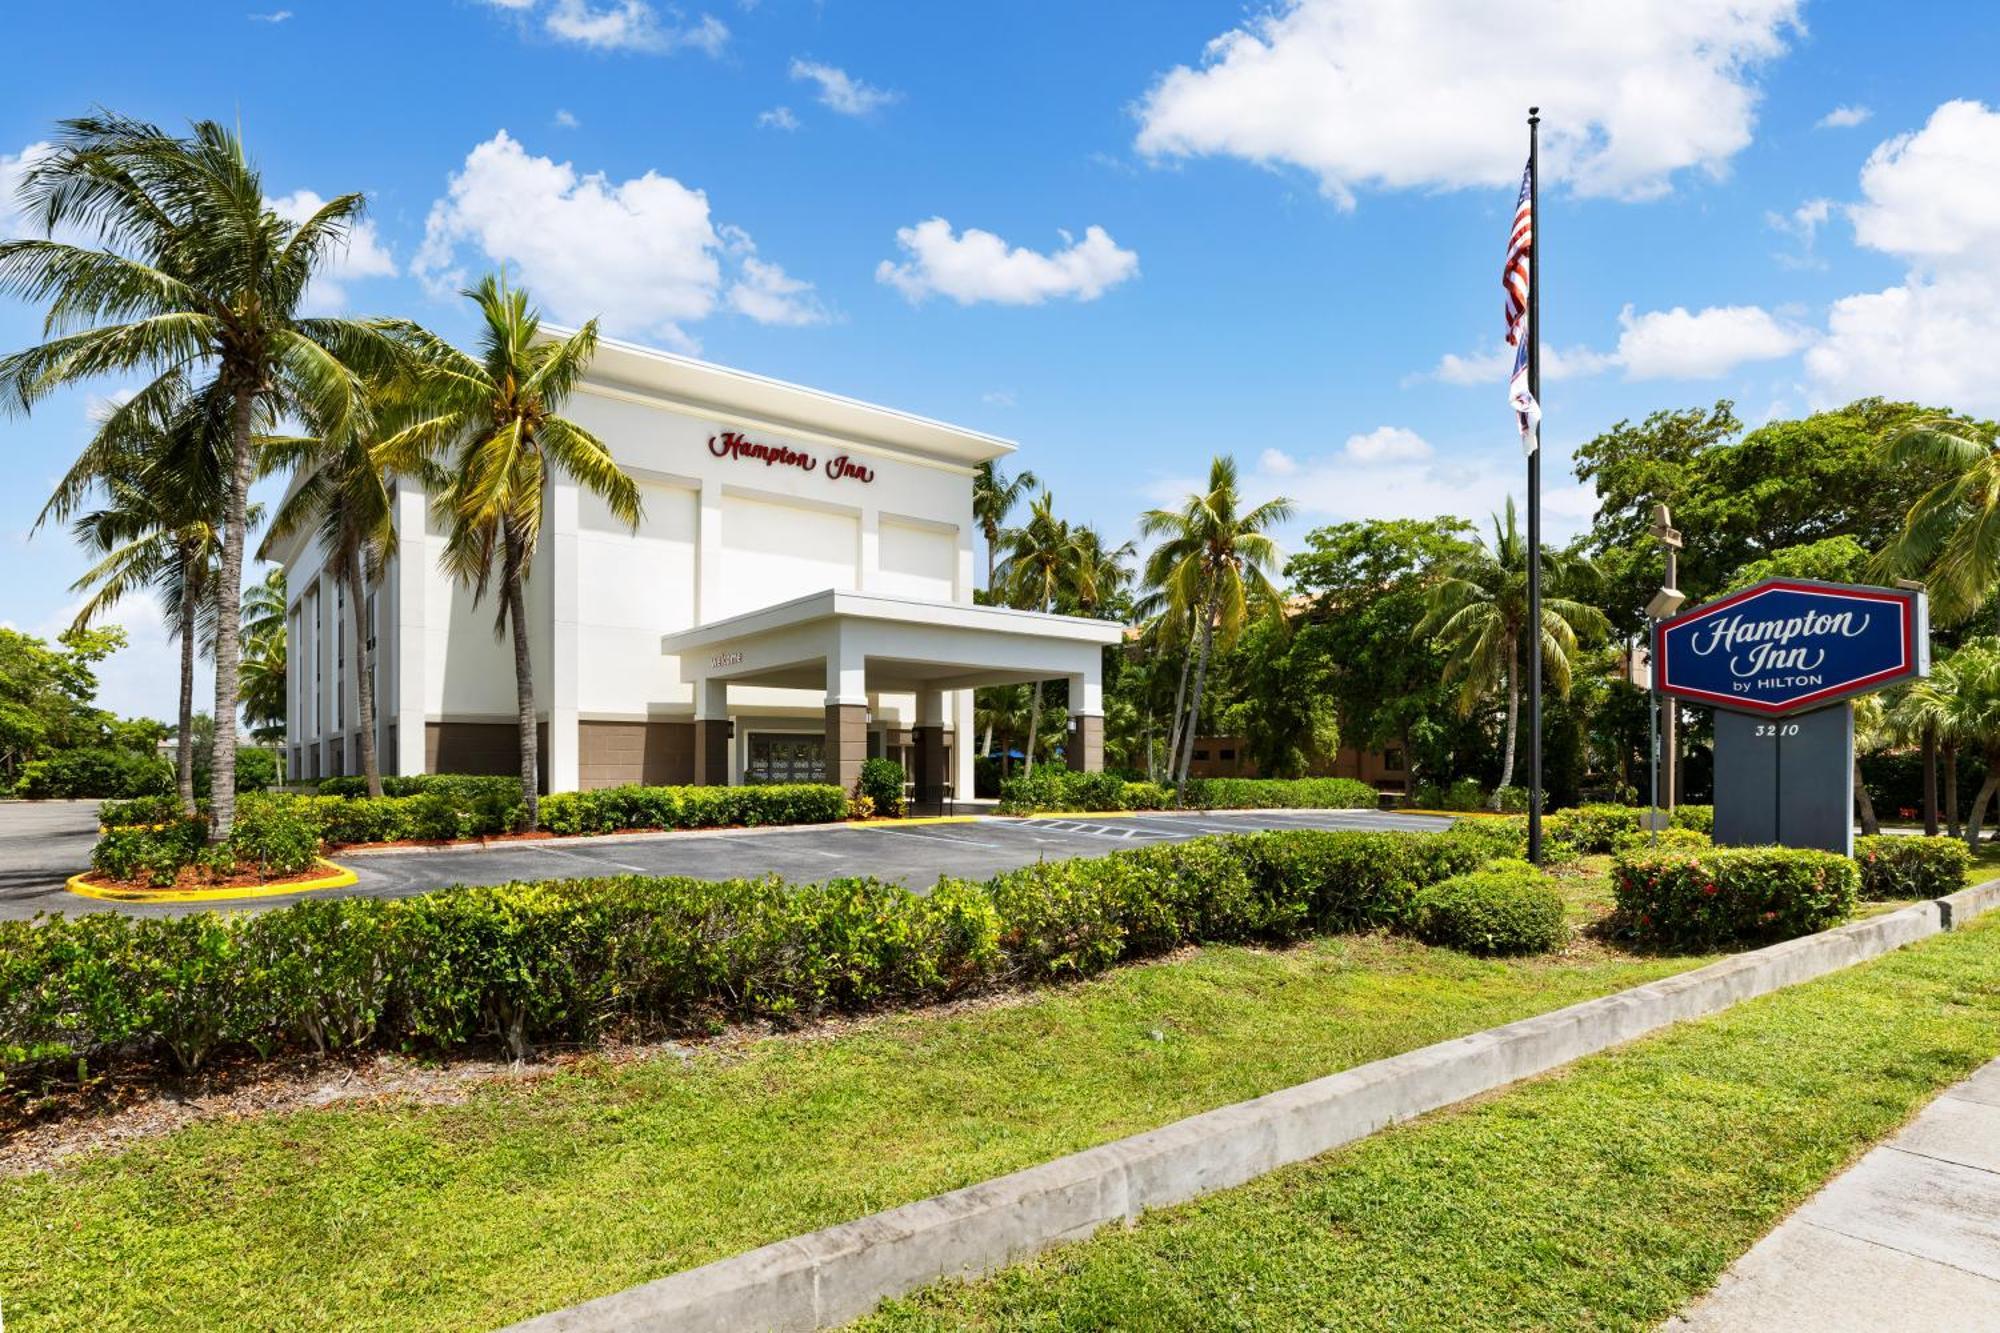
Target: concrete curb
<point x="842" y="1272"/>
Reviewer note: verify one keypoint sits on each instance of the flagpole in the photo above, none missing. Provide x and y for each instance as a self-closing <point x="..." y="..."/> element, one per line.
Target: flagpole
<point x="1535" y="489"/>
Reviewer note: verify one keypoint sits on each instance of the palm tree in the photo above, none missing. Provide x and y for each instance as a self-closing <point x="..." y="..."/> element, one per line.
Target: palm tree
<point x="264" y="648"/>
<point x="196" y="282"/>
<point x="343" y="492"/>
<point x="1046" y="560"/>
<point x="1479" y="614"/>
<point x="498" y="416"/>
<point x="160" y="475"/>
<point x="1213" y="564"/>
<point x="1926" y="709"/>
<point x="1951" y="535"/>
<point x="1108" y="573"/>
<point x="1871" y="733"/>
<point x="993" y="499"/>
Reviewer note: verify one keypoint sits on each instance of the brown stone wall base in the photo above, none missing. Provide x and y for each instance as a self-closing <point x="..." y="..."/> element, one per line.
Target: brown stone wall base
<point x="1085" y="752"/>
<point x="652" y="754"/>
<point x="846" y="743"/>
<point x="711" y="752"/>
<point x="930" y="765"/>
<point x="481" y="747"/>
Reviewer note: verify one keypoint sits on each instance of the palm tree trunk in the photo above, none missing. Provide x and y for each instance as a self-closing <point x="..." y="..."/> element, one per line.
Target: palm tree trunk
<point x="524" y="685"/>
<point x="1034" y="727"/>
<point x="1180" y="699"/>
<point x="184" y="737"/>
<point x="1194" y="705"/>
<point x="1950" y="748"/>
<point x="364" y="686"/>
<point x="1978" y="817"/>
<point x="1513" y="720"/>
<point x="229" y="619"/>
<point x="1866" y="807"/>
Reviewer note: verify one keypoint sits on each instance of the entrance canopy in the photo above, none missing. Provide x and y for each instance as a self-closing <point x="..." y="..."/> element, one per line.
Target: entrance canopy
<point x="852" y="644"/>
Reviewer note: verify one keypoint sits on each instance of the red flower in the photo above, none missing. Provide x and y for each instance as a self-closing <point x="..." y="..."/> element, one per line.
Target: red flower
<point x="1708" y="890"/>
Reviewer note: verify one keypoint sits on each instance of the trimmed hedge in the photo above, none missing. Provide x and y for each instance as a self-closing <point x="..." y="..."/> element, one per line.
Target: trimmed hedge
<point x="609" y="809"/>
<point x="1893" y="868"/>
<point x="1733" y="895"/>
<point x="526" y="963"/>
<point x="96" y="771"/>
<point x="460" y="785"/>
<point x="1509" y="907"/>
<point x="1052" y="789"/>
<point x="274" y="836"/>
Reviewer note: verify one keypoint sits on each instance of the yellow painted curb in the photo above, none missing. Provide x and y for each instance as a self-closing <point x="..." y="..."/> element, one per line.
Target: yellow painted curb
<point x="341" y="878"/>
<point x="886" y="822"/>
<point x="1099" y="814"/>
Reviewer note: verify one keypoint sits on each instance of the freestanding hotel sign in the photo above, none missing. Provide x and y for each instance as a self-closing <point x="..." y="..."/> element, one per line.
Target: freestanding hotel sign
<point x="1777" y="662"/>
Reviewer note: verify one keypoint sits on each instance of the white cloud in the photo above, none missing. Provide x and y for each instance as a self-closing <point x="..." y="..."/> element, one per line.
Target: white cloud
<point x="1934" y="194"/>
<point x="1431" y="93"/>
<point x="1387" y="444"/>
<point x="1705" y="344"/>
<point x="1660" y="344"/>
<point x="565" y="119"/>
<point x="978" y="266"/>
<point x="13" y="167"/>
<point x="1931" y="198"/>
<point x="1495" y="365"/>
<point x="644" y="254"/>
<point x="1277" y="463"/>
<point x="998" y="398"/>
<point x="1843" y="118"/>
<point x="622" y="25"/>
<point x="841" y="91"/>
<point x="1802" y="224"/>
<point x="777" y="118"/>
<point x="275" y="16"/>
<point x="364" y="255"/>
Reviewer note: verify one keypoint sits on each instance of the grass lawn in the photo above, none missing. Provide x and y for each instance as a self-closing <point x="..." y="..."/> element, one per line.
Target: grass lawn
<point x="1605" y="1195"/>
<point x="529" y="1196"/>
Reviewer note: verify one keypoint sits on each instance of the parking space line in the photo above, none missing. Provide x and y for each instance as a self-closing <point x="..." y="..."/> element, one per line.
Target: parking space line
<point x="934" y="837"/>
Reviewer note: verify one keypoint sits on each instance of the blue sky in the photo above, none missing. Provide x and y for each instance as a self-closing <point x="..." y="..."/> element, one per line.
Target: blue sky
<point x="1128" y="235"/>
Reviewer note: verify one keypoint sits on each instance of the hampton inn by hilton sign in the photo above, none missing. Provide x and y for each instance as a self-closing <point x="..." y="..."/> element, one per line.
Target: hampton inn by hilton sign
<point x="1778" y="662"/>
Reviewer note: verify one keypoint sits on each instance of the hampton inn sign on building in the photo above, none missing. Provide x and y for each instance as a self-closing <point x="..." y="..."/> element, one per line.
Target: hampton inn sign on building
<point x="796" y="598"/>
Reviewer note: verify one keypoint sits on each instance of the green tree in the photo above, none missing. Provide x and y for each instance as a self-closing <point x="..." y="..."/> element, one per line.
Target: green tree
<point x="1950" y="535"/>
<point x="498" y="416"/>
<point x="196" y="282"/>
<point x="1833" y="560"/>
<point x="160" y="476"/>
<point x="994" y="497"/>
<point x="46" y="695"/>
<point x="264" y="651"/>
<point x="1739" y="498"/>
<point x="1370" y="586"/>
<point x="1213" y="564"/>
<point x="1479" y="613"/>
<point x="1046" y="560"/>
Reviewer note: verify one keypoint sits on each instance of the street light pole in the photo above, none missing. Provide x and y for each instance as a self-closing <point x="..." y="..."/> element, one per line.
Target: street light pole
<point x="1665" y="722"/>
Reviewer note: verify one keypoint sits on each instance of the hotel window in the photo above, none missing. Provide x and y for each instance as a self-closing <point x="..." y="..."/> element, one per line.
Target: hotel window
<point x="374" y="677"/>
<point x="1392" y="760"/>
<point x="339" y="653"/>
<point x="313" y="655"/>
<point x="1201" y="754"/>
<point x="1228" y="754"/>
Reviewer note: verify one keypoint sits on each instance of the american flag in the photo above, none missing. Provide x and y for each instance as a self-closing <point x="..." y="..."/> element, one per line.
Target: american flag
<point x="1515" y="278"/>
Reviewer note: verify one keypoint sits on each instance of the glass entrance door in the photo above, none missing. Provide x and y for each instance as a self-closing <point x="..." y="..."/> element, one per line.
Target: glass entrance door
<point x="785" y="757"/>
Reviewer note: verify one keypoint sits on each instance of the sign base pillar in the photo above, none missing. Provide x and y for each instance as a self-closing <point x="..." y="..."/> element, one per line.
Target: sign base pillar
<point x="1786" y="780"/>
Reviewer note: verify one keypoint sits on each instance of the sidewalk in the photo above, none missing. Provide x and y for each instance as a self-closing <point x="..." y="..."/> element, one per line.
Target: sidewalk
<point x="1906" y="1239"/>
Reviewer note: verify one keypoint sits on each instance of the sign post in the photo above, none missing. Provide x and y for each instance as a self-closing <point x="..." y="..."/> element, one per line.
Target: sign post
<point x="1778" y="662"/>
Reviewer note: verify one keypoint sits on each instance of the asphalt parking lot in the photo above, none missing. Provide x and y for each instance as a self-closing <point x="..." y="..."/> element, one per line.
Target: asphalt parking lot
<point x="33" y="865"/>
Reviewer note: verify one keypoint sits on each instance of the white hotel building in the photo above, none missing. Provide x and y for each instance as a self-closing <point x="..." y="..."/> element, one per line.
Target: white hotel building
<point x="797" y="598"/>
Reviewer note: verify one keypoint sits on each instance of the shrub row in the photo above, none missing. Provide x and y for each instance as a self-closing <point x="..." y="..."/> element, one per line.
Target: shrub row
<point x="95" y="771"/>
<point x="458" y="785"/>
<point x="1733" y="895"/>
<point x="1049" y="789"/>
<point x="529" y="963"/>
<point x="612" y="808"/>
<point x="273" y="836"/>
<point x="1894" y="868"/>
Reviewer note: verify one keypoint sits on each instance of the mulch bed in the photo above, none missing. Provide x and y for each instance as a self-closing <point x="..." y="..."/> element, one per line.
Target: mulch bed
<point x="194" y="877"/>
